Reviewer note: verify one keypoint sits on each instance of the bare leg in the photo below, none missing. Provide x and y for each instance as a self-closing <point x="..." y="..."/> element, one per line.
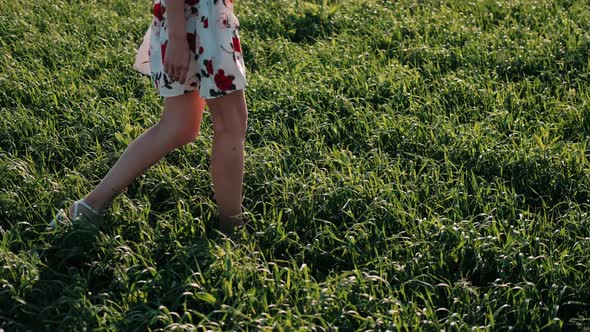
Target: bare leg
<point x="178" y="125"/>
<point x="230" y="116"/>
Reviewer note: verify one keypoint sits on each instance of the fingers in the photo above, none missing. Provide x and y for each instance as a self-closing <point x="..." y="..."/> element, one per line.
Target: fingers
<point x="177" y="73"/>
<point x="168" y="70"/>
<point x="177" y="59"/>
<point x="181" y="74"/>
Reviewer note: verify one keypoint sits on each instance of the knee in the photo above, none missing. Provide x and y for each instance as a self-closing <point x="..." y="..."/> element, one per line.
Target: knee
<point x="188" y="134"/>
<point x="230" y="122"/>
<point x="181" y="134"/>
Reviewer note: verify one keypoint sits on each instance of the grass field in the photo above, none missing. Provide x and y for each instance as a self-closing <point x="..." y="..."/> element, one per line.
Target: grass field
<point x="411" y="165"/>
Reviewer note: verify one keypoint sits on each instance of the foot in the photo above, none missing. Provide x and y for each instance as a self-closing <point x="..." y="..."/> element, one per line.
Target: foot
<point x="82" y="209"/>
<point x="229" y="225"/>
<point x="78" y="211"/>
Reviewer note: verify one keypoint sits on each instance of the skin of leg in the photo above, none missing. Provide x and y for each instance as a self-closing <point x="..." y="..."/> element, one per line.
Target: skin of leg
<point x="229" y="115"/>
<point x="178" y="125"/>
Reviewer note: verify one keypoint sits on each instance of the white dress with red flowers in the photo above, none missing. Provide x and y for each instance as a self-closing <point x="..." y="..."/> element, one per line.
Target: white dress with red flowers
<point x="216" y="66"/>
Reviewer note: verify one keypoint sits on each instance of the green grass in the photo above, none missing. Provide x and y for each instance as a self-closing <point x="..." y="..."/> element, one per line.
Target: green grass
<point x="411" y="165"/>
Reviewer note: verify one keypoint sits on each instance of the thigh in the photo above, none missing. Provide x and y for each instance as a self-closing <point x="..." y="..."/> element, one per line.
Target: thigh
<point x="184" y="109"/>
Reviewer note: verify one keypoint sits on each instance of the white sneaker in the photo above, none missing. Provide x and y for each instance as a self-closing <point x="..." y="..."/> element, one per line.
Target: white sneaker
<point x="90" y="214"/>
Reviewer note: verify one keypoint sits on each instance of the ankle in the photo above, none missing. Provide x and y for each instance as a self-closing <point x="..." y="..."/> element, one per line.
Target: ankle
<point x="97" y="204"/>
<point x="85" y="207"/>
<point x="229" y="224"/>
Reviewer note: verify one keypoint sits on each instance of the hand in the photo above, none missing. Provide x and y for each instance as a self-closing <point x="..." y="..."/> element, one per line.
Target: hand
<point x="176" y="60"/>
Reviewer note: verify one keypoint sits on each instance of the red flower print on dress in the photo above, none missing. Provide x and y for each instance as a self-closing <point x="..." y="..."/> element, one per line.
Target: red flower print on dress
<point x="159" y="11"/>
<point x="191" y="38"/>
<point x="207" y="69"/>
<point x="209" y="64"/>
<point x="236" y="44"/>
<point x="223" y="22"/>
<point x="223" y="82"/>
<point x="205" y="22"/>
<point x="163" y="50"/>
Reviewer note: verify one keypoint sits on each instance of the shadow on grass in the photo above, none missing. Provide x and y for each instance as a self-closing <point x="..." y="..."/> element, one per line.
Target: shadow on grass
<point x="72" y="289"/>
<point x="54" y="292"/>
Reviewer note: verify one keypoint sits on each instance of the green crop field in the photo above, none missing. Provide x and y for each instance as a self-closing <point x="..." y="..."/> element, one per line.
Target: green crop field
<point x="411" y="165"/>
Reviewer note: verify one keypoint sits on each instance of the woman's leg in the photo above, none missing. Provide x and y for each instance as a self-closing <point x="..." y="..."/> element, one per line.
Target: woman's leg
<point x="178" y="125"/>
<point x="230" y="117"/>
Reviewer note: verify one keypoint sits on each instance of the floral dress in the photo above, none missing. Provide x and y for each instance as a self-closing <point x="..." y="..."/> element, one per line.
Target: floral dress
<point x="216" y="65"/>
